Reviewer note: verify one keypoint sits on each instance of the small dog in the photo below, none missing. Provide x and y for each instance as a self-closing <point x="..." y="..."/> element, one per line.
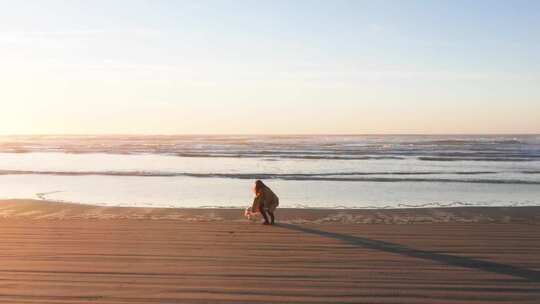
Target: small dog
<point x="251" y="215"/>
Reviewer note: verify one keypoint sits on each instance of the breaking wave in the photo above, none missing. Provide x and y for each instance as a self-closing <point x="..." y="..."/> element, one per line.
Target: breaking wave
<point x="336" y="176"/>
<point x="497" y="148"/>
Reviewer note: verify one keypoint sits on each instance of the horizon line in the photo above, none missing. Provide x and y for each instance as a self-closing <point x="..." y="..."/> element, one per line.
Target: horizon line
<point x="270" y="134"/>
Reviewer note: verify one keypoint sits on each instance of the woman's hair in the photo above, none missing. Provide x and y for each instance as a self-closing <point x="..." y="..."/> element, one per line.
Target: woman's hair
<point x="259" y="185"/>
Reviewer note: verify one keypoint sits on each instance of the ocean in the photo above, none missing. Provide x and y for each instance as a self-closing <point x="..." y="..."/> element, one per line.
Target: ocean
<point x="315" y="171"/>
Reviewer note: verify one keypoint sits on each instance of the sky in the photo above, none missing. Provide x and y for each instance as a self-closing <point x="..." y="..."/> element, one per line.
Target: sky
<point x="269" y="67"/>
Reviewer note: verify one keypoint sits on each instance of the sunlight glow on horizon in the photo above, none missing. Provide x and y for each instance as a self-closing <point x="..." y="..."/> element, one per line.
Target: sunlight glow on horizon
<point x="270" y="67"/>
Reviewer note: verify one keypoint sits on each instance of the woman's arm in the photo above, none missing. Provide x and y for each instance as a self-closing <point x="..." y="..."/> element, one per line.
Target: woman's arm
<point x="256" y="204"/>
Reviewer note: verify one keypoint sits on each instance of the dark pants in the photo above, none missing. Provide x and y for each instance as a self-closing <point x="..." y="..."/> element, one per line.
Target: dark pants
<point x="263" y="212"/>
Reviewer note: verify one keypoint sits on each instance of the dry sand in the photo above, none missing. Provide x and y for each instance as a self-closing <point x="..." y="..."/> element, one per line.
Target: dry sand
<point x="66" y="253"/>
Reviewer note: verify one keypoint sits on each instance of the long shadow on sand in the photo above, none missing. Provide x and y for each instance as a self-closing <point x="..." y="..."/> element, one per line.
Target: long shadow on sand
<point x="452" y="260"/>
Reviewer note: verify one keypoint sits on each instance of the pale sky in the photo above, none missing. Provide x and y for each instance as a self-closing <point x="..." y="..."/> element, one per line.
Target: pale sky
<point x="273" y="67"/>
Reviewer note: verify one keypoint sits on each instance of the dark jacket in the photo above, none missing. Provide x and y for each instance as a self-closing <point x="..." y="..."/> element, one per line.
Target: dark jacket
<point x="268" y="199"/>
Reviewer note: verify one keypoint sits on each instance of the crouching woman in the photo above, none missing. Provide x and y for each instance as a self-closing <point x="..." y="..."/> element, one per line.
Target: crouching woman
<point x="265" y="202"/>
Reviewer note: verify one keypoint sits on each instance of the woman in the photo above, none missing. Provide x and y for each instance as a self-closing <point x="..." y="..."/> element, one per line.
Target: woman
<point x="265" y="201"/>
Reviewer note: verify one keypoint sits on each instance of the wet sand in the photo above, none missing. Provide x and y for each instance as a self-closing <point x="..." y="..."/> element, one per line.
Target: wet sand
<point x="65" y="253"/>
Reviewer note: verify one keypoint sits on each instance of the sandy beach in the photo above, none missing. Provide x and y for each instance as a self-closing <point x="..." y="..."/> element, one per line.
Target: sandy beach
<point x="68" y="253"/>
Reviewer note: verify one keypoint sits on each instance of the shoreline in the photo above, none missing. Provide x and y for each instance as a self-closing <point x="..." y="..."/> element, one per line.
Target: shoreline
<point x="53" y="210"/>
